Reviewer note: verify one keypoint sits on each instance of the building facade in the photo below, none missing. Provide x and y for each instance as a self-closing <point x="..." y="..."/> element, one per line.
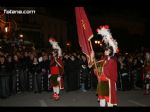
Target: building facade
<point x="37" y="27"/>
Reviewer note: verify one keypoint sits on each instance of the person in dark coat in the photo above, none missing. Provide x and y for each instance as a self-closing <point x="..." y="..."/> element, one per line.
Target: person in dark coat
<point x="73" y="74"/>
<point x="10" y="68"/>
<point x="36" y="75"/>
<point x="84" y="74"/>
<point x="44" y="70"/>
<point x="25" y="67"/>
<point x="4" y="78"/>
<point x="30" y="77"/>
<point x="66" y="61"/>
<point x="124" y="74"/>
<point x="17" y="82"/>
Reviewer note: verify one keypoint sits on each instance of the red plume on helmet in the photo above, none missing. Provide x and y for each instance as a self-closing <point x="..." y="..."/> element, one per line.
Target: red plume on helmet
<point x="55" y="45"/>
<point x="51" y="39"/>
<point x="104" y="31"/>
<point x="102" y="26"/>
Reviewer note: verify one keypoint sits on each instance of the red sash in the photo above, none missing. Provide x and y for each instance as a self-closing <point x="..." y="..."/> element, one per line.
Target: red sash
<point x="61" y="83"/>
<point x="103" y="77"/>
<point x="54" y="70"/>
<point x="147" y="68"/>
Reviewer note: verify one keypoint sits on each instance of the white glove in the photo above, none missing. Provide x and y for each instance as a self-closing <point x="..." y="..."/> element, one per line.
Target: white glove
<point x="49" y="75"/>
<point x="58" y="79"/>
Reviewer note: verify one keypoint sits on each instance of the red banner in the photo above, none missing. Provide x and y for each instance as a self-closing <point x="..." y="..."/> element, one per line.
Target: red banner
<point x="84" y="30"/>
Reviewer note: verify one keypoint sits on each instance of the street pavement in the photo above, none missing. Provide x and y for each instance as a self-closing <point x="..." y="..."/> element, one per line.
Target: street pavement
<point x="132" y="98"/>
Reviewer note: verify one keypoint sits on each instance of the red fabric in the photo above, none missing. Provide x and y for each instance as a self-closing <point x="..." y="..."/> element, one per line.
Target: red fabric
<point x="110" y="70"/>
<point x="103" y="77"/>
<point x="104" y="97"/>
<point x="107" y="98"/>
<point x="61" y="83"/>
<point x="57" y="69"/>
<point x="143" y="75"/>
<point x="62" y="66"/>
<point x="54" y="70"/>
<point x="84" y="31"/>
<point x="147" y="68"/>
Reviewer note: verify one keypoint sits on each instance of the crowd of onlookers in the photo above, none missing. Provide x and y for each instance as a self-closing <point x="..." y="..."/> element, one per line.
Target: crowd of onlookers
<point x="131" y="72"/>
<point x="27" y="69"/>
<point x="131" y="69"/>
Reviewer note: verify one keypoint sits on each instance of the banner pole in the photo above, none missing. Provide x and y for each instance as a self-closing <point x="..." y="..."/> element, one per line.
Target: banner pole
<point x="94" y="59"/>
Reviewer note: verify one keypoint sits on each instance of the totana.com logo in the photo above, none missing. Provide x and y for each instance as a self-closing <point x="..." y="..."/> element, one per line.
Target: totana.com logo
<point x="10" y="11"/>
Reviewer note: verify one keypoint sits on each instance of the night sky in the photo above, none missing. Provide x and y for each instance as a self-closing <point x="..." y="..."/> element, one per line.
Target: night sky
<point x="126" y="41"/>
<point x="95" y="12"/>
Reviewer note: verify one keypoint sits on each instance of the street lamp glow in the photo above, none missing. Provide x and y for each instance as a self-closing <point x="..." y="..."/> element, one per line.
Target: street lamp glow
<point x="21" y="35"/>
<point x="68" y="44"/>
<point x="6" y="29"/>
<point x="96" y="41"/>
